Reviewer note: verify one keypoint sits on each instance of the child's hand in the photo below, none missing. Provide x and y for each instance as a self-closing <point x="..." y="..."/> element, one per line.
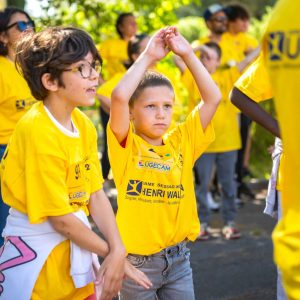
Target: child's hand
<point x="157" y="48"/>
<point x="176" y="42"/>
<point x="136" y="275"/>
<point x="111" y="274"/>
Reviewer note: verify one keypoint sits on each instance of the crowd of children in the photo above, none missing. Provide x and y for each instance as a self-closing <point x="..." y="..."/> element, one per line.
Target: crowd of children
<point x="51" y="178"/>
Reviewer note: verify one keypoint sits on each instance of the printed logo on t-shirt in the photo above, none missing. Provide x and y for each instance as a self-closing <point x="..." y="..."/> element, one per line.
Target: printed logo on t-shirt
<point x="154" y="193"/>
<point x="78" y="182"/>
<point x="158" y="166"/>
<point x="134" y="187"/>
<point x="24" y="103"/>
<point x="283" y="45"/>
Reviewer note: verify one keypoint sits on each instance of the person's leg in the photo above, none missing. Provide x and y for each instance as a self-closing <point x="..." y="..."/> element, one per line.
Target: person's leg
<point x="203" y="168"/>
<point x="225" y="170"/>
<point x="177" y="276"/>
<point x="3" y="207"/>
<point x="104" y="160"/>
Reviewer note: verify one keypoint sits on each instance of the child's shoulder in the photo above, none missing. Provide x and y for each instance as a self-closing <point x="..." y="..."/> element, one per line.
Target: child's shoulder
<point x="82" y="120"/>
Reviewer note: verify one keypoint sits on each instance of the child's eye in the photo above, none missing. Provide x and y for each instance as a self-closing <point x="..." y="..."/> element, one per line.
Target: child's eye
<point x="151" y="106"/>
<point x="168" y="106"/>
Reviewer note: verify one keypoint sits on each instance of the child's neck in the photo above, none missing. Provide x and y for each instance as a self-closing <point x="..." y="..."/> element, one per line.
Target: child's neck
<point x="152" y="141"/>
<point x="61" y="112"/>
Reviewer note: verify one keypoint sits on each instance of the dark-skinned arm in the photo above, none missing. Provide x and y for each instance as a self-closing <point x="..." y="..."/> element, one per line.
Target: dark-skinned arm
<point x="254" y="111"/>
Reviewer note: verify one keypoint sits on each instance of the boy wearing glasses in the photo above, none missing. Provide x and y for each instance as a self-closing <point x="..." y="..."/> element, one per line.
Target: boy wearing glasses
<point x="51" y="179"/>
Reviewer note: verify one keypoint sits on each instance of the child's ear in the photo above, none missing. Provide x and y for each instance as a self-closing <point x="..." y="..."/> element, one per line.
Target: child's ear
<point x="49" y="83"/>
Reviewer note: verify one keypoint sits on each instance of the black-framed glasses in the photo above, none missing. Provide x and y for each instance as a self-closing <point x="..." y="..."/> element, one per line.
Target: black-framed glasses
<point x="86" y="69"/>
<point x="22" y="25"/>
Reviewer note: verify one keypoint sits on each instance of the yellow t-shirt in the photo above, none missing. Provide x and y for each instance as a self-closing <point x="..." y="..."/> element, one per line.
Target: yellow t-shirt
<point x="255" y="82"/>
<point x="282" y="56"/>
<point x="225" y="120"/>
<point x="15" y="98"/>
<point x="228" y="51"/>
<point x="234" y="47"/>
<point x="46" y="172"/>
<point x="114" y="54"/>
<point x="156" y="200"/>
<point x="238" y="45"/>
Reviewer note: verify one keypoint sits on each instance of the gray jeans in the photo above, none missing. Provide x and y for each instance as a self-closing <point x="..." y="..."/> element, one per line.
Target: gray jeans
<point x="225" y="167"/>
<point x="169" y="271"/>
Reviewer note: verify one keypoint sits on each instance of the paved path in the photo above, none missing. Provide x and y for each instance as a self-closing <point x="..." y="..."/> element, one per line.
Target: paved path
<point x="241" y="269"/>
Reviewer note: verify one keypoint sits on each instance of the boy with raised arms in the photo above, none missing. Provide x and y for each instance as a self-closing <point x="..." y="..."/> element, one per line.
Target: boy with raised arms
<point x="157" y="212"/>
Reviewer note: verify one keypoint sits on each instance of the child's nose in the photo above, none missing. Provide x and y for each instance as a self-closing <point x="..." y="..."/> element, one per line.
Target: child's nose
<point x="160" y="112"/>
<point x="94" y="74"/>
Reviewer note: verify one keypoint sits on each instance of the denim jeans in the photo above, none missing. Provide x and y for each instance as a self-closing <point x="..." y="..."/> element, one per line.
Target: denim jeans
<point x="169" y="271"/>
<point x="225" y="167"/>
<point x="3" y="207"/>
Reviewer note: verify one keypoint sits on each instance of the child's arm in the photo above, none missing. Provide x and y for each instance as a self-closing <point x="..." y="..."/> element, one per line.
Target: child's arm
<point x="182" y="66"/>
<point x="76" y="231"/>
<point x="72" y="228"/>
<point x="114" y="252"/>
<point x="112" y="268"/>
<point x="209" y="91"/>
<point x="119" y="111"/>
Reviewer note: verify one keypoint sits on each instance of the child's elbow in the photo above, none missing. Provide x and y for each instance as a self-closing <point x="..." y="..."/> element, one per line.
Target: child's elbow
<point x="59" y="223"/>
<point x="117" y="95"/>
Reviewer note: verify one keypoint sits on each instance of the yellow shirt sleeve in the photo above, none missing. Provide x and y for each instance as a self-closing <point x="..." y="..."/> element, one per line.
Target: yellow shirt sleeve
<point x="255" y="82"/>
<point x="44" y="187"/>
<point x="191" y="131"/>
<point x="119" y="153"/>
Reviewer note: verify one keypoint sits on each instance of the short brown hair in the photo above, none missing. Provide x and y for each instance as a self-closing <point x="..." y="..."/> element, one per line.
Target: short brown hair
<point x="150" y="79"/>
<point x="52" y="51"/>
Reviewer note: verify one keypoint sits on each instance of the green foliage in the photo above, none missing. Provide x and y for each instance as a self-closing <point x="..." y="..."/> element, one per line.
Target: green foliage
<point x="258" y="26"/>
<point x="260" y="159"/>
<point x="16" y="3"/>
<point x="98" y="16"/>
<point x="192" y="28"/>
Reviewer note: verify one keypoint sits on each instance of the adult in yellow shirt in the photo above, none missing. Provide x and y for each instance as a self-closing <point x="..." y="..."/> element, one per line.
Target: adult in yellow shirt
<point x="51" y="178"/>
<point x="15" y="95"/>
<point x="217" y="22"/>
<point x="281" y="55"/>
<point x="114" y="51"/>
